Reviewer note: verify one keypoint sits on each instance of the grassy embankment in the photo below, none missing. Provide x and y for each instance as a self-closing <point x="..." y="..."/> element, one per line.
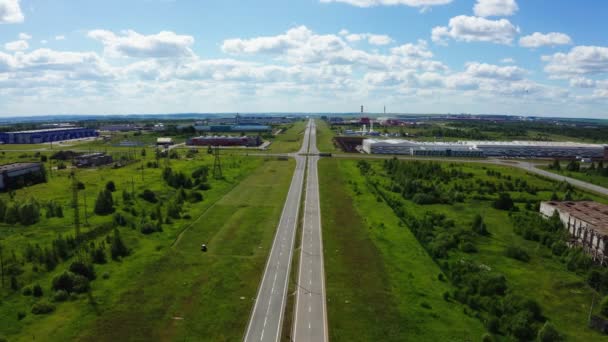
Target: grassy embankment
<point x="590" y="178"/>
<point x="381" y="284"/>
<point x="159" y="291"/>
<point x="564" y="296"/>
<point x="324" y="137"/>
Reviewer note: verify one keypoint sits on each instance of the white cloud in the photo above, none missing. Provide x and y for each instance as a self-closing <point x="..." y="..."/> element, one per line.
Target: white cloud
<point x="538" y="39"/>
<point x="10" y="12"/>
<point x="419" y="50"/>
<point x="507" y="60"/>
<point x="506" y="73"/>
<point x="495" y="8"/>
<point x="582" y="82"/>
<point x="410" y="3"/>
<point x="581" y="60"/>
<point x="132" y="44"/>
<point x="59" y="37"/>
<point x="24" y="36"/>
<point x="18" y="45"/>
<point x="373" y="39"/>
<point x="475" y="29"/>
<point x="44" y="42"/>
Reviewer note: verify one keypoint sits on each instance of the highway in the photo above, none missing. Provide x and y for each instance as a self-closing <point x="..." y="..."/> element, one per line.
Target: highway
<point x="310" y="321"/>
<point x="266" y="318"/>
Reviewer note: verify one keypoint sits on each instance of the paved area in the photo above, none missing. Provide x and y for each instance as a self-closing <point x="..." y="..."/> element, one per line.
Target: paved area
<point x="266" y="318"/>
<point x="310" y="321"/>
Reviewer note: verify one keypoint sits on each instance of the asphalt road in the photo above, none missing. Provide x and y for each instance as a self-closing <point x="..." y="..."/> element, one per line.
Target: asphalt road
<point x="266" y="318"/>
<point x="310" y="321"/>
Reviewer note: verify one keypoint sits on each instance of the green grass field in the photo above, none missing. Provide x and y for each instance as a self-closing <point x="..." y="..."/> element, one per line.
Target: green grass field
<point x="564" y="296"/>
<point x="290" y="140"/>
<point x="381" y="284"/>
<point x="590" y="178"/>
<point x="324" y="137"/>
<point x="162" y="291"/>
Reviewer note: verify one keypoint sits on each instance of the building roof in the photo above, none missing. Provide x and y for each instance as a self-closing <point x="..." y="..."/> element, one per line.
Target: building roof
<point x="17" y="166"/>
<point x="591" y="212"/>
<point x="478" y="144"/>
<point x="164" y="140"/>
<point x="47" y="130"/>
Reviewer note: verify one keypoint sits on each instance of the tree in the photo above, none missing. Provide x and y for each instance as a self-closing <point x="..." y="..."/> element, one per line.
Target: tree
<point x="110" y="186"/>
<point x="604" y="306"/>
<point x="37" y="290"/>
<point x="479" y="226"/>
<point x="104" y="204"/>
<point x="118" y="248"/>
<point x="504" y="202"/>
<point x="548" y="333"/>
<point x="568" y="196"/>
<point x="555" y="165"/>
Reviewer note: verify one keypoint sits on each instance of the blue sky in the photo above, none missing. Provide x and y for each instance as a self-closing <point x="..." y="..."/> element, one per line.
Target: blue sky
<point x="533" y="57"/>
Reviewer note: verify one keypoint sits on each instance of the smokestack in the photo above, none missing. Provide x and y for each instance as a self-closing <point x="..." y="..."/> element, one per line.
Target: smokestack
<point x="361" y="109"/>
<point x="384" y="110"/>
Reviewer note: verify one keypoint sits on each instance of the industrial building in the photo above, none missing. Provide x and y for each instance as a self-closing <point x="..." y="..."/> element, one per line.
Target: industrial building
<point x="232" y="128"/>
<point x="164" y="142"/>
<point x="527" y="149"/>
<point x="587" y="223"/>
<point x="92" y="159"/>
<point x="16" y="175"/>
<point x="46" y="135"/>
<point x="251" y="141"/>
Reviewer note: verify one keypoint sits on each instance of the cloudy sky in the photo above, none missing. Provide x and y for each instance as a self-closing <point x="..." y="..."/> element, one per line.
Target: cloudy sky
<point x="524" y="57"/>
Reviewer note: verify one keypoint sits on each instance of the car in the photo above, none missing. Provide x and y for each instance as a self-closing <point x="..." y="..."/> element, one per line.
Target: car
<point x="203" y="248"/>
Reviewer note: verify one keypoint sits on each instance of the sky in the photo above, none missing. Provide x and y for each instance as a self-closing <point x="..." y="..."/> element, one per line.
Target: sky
<point x="520" y="57"/>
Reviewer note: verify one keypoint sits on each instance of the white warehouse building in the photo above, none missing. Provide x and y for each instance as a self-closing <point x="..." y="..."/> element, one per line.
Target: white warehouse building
<point x="486" y="148"/>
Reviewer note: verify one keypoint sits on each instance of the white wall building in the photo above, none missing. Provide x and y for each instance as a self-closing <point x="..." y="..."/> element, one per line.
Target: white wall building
<point x="540" y="149"/>
<point x="587" y="223"/>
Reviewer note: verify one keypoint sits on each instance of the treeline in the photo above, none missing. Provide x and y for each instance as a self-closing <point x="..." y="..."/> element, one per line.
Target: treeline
<point x="574" y="166"/>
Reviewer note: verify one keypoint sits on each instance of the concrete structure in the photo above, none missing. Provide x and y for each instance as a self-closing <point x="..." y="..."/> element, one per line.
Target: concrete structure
<point x="164" y="142"/>
<point x="120" y="128"/>
<point x="92" y="159"/>
<point x="10" y="174"/>
<point x="529" y="149"/>
<point x="587" y="223"/>
<point x="159" y="127"/>
<point x="46" y="135"/>
<point x="225" y="141"/>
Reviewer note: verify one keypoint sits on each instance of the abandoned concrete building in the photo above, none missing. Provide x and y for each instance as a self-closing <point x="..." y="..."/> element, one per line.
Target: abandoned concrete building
<point x="587" y="223"/>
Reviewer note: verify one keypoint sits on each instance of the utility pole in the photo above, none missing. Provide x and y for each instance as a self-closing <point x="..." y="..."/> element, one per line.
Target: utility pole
<point x="217" y="165"/>
<point x="86" y="218"/>
<point x="75" y="203"/>
<point x="2" y="265"/>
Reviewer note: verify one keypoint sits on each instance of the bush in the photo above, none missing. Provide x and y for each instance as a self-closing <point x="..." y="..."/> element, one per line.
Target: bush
<point x="149" y="228"/>
<point x="517" y="253"/>
<point x="548" y="333"/>
<point x="37" y="291"/>
<point x="60" y="296"/>
<point x="20" y="316"/>
<point x="104" y="204"/>
<point x="110" y="186"/>
<point x="504" y="202"/>
<point x="27" y="291"/>
<point x="195" y="197"/>
<point x="70" y="282"/>
<point x="468" y="247"/>
<point x="604" y="306"/>
<point x="149" y="196"/>
<point x="83" y="269"/>
<point x="41" y="308"/>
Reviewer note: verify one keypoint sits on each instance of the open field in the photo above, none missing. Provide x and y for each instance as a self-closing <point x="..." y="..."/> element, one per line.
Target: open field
<point x="381" y="284"/>
<point x="563" y="295"/>
<point x="289" y="140"/>
<point x="161" y="290"/>
<point x="590" y="178"/>
<point x="325" y="136"/>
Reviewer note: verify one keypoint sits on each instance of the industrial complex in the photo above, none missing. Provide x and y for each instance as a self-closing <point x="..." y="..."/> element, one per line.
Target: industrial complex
<point x="46" y="135"/>
<point x="249" y="141"/>
<point x="531" y="149"/>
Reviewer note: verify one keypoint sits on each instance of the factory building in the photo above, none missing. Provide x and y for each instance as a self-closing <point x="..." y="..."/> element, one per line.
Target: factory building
<point x="528" y="149"/>
<point x="46" y="135"/>
<point x="225" y="141"/>
<point x="17" y="175"/>
<point x="232" y="128"/>
<point x="586" y="222"/>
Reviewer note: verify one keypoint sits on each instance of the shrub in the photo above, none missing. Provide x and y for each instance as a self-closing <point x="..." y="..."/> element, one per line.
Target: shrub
<point x="517" y="253"/>
<point x="27" y="291"/>
<point x="479" y="226"/>
<point x="504" y="202"/>
<point x="149" y="196"/>
<point x="548" y="333"/>
<point x="104" y="204"/>
<point x="37" y="291"/>
<point x="41" y="308"/>
<point x="83" y="269"/>
<point x="149" y="228"/>
<point x="118" y="248"/>
<point x="60" y="296"/>
<point x="468" y="247"/>
<point x="604" y="306"/>
<point x="195" y="197"/>
<point x="20" y="316"/>
<point x="110" y="186"/>
<point x="487" y="338"/>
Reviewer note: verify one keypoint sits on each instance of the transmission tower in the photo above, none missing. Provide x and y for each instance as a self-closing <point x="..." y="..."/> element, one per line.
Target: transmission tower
<point x="75" y="203"/>
<point x="217" y="165"/>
